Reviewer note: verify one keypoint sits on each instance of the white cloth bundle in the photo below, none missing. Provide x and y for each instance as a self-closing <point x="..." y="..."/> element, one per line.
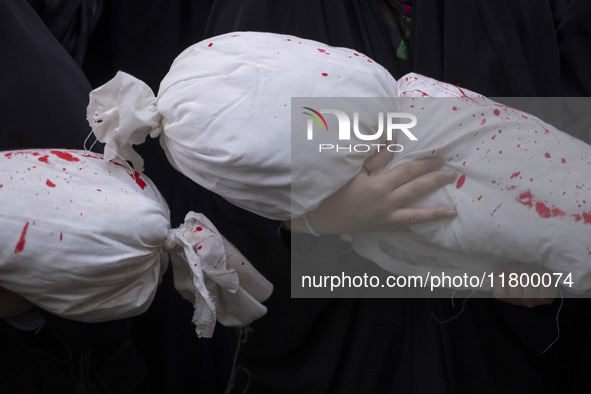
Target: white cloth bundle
<point x="223" y="117"/>
<point x="523" y="192"/>
<point x="88" y="240"/>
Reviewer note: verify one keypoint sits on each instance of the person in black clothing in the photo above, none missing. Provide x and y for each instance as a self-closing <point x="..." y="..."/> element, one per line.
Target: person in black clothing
<point x="360" y="345"/>
<point x="43" y="98"/>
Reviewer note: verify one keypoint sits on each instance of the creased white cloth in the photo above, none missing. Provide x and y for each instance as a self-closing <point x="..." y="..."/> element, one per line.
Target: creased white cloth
<point x="226" y="107"/>
<point x="123" y="113"/>
<point x="523" y="192"/>
<point x="215" y="276"/>
<point x="89" y="240"/>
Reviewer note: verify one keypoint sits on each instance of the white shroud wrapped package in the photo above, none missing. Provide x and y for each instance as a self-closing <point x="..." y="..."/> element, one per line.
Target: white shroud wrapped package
<point x="89" y="240"/>
<point x="223" y="118"/>
<point x="523" y="192"/>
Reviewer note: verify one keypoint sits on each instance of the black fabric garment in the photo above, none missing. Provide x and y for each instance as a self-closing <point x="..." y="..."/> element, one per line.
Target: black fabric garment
<point x="43" y="98"/>
<point x="359" y="345"/>
<point x="70" y="21"/>
<point x="43" y="93"/>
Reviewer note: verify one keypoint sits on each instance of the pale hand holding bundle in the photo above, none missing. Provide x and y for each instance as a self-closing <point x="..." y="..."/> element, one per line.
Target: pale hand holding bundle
<point x="223" y="118"/>
<point x="523" y="192"/>
<point x="89" y="240"/>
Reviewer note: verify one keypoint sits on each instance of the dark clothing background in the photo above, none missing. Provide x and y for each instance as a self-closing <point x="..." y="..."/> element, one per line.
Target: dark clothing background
<point x="501" y="48"/>
<point x="43" y="98"/>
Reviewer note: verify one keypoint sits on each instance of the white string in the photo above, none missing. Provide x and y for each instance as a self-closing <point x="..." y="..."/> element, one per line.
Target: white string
<point x="242" y="338"/>
<point x="457" y="314"/>
<point x="557" y="322"/>
<point x="86" y="140"/>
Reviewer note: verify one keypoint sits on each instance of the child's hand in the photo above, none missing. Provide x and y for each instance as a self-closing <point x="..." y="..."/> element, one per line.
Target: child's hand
<point x="378" y="202"/>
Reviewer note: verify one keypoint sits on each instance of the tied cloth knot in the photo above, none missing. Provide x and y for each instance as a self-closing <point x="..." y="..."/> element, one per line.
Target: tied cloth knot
<point x="211" y="273"/>
<point x="122" y="113"/>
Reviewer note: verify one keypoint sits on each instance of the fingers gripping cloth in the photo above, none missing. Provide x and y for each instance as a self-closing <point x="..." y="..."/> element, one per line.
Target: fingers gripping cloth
<point x="90" y="242"/>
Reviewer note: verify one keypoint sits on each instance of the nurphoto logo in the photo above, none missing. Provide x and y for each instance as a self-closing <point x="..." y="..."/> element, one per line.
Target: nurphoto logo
<point x="393" y="120"/>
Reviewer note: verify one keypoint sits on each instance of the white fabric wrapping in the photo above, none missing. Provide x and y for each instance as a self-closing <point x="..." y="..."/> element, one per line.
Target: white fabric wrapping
<point x="523" y="192"/>
<point x="226" y="105"/>
<point x="87" y="239"/>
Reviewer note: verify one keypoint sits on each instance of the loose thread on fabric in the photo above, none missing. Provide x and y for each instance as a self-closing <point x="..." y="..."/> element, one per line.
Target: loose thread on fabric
<point x="453" y="305"/>
<point x="557" y="321"/>
<point x="242" y="338"/>
<point x="86" y="140"/>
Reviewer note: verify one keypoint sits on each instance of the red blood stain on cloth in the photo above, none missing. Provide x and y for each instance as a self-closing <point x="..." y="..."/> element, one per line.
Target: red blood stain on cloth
<point x="547" y="155"/>
<point x="140" y="182"/>
<point x="49" y="183"/>
<point x="65" y="156"/>
<point x="545" y="211"/>
<point x="44" y="159"/>
<point x="460" y="181"/>
<point x="324" y="74"/>
<point x="495" y="210"/>
<point x="21" y="242"/>
<point x="515" y="175"/>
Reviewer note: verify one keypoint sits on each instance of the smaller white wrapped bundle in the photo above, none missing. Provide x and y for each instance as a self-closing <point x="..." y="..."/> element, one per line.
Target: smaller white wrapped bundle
<point x="88" y="240"/>
<point x="223" y="116"/>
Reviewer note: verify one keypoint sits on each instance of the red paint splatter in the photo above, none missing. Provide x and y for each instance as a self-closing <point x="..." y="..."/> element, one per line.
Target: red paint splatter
<point x="65" y="156"/>
<point x="61" y="236"/>
<point x="515" y="175"/>
<point x="242" y="263"/>
<point x="198" y="228"/>
<point x="495" y="210"/>
<point x="544" y="211"/>
<point x="324" y="74"/>
<point x="21" y="242"/>
<point x="483" y="122"/>
<point x="140" y="182"/>
<point x="460" y="181"/>
<point x="547" y="155"/>
<point x="496" y="112"/>
<point x="49" y="183"/>
<point x="464" y="163"/>
<point x="455" y="108"/>
<point x="479" y="198"/>
<point x="44" y="159"/>
<point x="355" y="54"/>
<point x="199" y="247"/>
<point x="210" y="44"/>
<point x="563" y="160"/>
